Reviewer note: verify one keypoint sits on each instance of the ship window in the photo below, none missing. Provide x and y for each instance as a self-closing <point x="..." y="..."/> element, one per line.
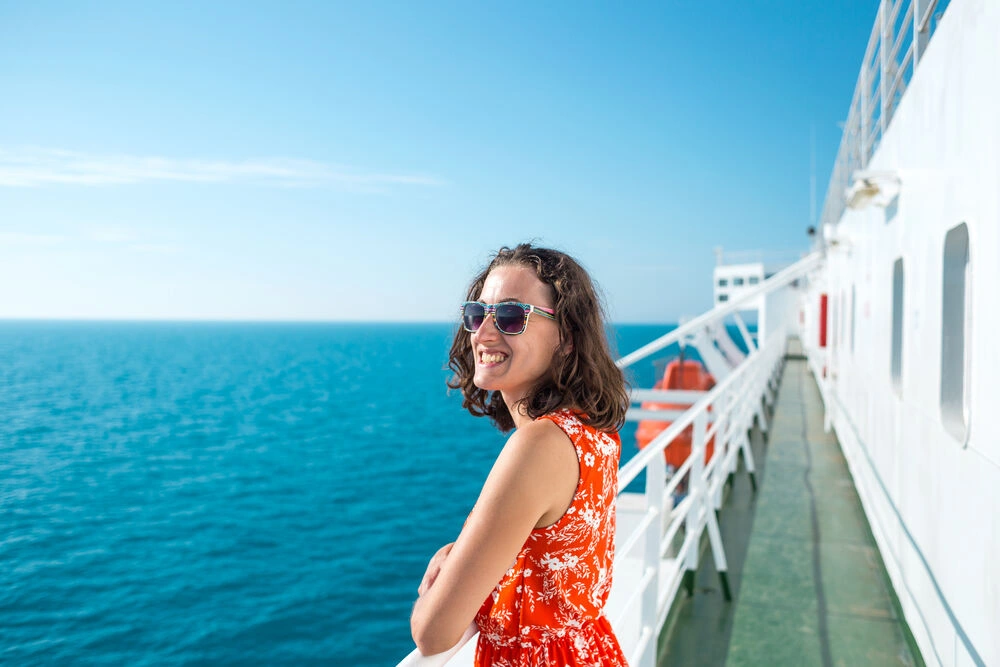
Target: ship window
<point x="955" y="308"/>
<point x="723" y="282"/>
<point x="723" y="297"/>
<point x="892" y="209"/>
<point x="737" y="281"/>
<point x="897" y="326"/>
<point x="754" y="280"/>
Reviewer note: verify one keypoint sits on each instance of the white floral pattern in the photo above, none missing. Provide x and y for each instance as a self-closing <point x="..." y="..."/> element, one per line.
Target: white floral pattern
<point x="547" y="609"/>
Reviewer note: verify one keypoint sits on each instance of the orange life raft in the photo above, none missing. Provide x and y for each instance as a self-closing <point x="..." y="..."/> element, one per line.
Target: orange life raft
<point x="679" y="374"/>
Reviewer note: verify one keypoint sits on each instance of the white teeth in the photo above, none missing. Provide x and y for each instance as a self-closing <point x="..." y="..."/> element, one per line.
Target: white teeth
<point x="493" y="358"/>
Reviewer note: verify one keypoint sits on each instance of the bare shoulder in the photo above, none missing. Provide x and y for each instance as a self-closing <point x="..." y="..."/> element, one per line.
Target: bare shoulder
<point x="543" y="441"/>
<point x="543" y="454"/>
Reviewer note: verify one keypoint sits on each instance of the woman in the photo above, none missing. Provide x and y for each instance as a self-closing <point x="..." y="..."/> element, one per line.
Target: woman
<point x="539" y="544"/>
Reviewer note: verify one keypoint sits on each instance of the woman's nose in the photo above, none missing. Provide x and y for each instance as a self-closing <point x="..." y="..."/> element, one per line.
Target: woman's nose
<point x="488" y="329"/>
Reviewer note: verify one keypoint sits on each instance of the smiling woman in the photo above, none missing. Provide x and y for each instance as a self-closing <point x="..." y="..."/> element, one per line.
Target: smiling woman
<point x="532" y="566"/>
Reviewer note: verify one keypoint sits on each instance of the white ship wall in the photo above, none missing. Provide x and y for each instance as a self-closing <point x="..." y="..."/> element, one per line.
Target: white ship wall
<point x="933" y="500"/>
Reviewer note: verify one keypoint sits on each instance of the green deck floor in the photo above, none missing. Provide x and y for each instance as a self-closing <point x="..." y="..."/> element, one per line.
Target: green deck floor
<point x="809" y="586"/>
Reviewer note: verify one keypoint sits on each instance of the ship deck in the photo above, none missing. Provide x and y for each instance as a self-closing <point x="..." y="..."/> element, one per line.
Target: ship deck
<point x="809" y="586"/>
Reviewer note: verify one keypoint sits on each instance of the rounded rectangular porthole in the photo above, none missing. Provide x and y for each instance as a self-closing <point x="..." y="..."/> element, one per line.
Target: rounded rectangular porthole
<point x="955" y="293"/>
<point x="896" y="366"/>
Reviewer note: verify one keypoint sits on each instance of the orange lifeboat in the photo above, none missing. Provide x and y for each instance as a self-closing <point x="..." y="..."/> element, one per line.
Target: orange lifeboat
<point x="679" y="374"/>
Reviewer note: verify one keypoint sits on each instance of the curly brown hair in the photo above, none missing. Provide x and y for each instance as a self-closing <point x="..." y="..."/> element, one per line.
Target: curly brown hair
<point x="584" y="379"/>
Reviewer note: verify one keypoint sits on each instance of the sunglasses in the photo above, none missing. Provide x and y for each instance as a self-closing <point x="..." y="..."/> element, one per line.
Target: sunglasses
<point x="510" y="317"/>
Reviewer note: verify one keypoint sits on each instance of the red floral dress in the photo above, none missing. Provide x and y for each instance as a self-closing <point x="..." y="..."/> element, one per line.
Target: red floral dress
<point x="547" y="608"/>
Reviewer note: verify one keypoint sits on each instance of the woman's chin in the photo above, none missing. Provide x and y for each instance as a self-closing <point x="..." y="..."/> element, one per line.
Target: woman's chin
<point x="486" y="383"/>
<point x="489" y="379"/>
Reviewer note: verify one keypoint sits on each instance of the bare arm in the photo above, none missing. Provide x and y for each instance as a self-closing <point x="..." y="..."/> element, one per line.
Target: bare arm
<point x="532" y="484"/>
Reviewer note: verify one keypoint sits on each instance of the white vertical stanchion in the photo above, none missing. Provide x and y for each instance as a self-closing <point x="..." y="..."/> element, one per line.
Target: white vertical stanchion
<point x="696" y="490"/>
<point x="656" y="475"/>
<point x="722" y="468"/>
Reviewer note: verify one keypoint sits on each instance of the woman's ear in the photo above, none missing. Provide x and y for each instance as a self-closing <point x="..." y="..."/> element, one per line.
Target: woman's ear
<point x="566" y="347"/>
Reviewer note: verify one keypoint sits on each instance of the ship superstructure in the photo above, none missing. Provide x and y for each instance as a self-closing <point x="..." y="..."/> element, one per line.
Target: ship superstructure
<point x="903" y="356"/>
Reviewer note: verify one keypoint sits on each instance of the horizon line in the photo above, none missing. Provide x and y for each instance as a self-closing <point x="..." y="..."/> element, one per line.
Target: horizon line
<point x="32" y="167"/>
<point x="164" y="320"/>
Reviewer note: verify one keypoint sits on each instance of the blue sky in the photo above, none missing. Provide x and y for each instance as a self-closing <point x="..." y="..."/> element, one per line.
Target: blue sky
<point x="360" y="161"/>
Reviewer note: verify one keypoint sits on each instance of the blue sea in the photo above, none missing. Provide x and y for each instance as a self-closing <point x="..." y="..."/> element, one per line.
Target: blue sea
<point x="219" y="493"/>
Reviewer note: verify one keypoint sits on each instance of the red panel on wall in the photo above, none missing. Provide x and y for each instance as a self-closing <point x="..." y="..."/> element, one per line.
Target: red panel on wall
<point x="822" y="320"/>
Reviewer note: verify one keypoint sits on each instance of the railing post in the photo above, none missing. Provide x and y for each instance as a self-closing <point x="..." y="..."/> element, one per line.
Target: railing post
<point x="920" y="37"/>
<point x="723" y="450"/>
<point x="884" y="67"/>
<point x="865" y="119"/>
<point x="696" y="490"/>
<point x="656" y="476"/>
<point x="758" y="387"/>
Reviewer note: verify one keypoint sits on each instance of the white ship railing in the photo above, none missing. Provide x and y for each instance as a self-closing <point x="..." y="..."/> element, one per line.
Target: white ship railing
<point x="902" y="31"/>
<point x="659" y="541"/>
<point x="730" y="406"/>
<point x="773" y="260"/>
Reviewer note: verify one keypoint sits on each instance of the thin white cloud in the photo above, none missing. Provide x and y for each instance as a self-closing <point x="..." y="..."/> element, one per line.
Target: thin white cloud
<point x="652" y="268"/>
<point x="112" y="235"/>
<point x="22" y="238"/>
<point x="120" y="237"/>
<point x="33" y="167"/>
<point x="157" y="248"/>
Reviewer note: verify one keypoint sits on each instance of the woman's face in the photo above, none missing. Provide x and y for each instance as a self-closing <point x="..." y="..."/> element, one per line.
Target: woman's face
<point x="513" y="364"/>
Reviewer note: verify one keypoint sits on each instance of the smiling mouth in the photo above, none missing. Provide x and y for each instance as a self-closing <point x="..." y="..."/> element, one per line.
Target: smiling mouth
<point x="492" y="358"/>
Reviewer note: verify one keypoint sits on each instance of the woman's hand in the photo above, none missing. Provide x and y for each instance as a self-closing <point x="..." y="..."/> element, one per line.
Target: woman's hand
<point x="434" y="568"/>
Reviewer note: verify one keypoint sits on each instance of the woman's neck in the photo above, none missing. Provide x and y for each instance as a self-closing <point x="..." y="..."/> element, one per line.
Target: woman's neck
<point x="518" y="411"/>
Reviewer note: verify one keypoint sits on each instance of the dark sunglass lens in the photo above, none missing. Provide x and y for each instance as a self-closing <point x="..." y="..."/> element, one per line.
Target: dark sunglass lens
<point x="472" y="316"/>
<point x="510" y="318"/>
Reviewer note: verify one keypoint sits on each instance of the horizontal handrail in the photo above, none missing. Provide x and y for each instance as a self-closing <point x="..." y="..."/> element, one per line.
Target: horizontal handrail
<point x="637" y="532"/>
<point x="644" y="637"/>
<point x="901" y="72"/>
<point x="898" y="40"/>
<point x="640" y="414"/>
<point x="925" y="20"/>
<point x="675" y="524"/>
<point x="636" y="593"/>
<point x="631" y="470"/>
<point x="665" y="395"/>
<point x="418" y="659"/>
<point x="873" y="106"/>
<point x="779" y="279"/>
<point x="729" y="401"/>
